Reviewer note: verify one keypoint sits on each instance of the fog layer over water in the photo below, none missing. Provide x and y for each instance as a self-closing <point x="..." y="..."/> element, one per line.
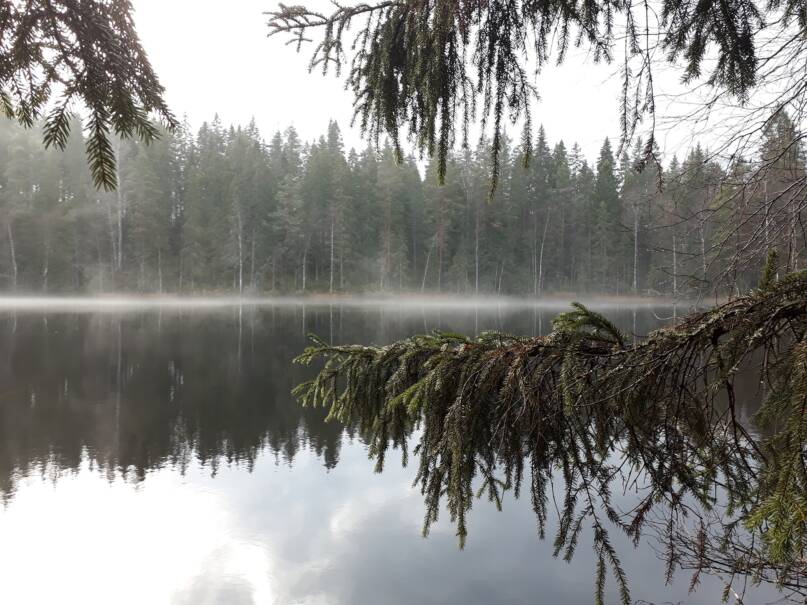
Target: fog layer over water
<point x="157" y="456"/>
<point x="405" y="302"/>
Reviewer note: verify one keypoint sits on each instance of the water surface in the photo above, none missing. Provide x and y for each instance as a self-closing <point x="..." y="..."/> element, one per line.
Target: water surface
<point x="155" y="455"/>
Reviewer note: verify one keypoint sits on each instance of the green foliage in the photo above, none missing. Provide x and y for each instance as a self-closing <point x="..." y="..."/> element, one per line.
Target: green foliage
<point x="769" y="273"/>
<point x="582" y="404"/>
<point x="426" y="67"/>
<point x="781" y="515"/>
<point x="57" y="53"/>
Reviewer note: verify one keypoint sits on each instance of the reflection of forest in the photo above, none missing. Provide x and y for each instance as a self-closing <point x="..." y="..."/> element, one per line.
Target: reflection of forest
<point x="135" y="392"/>
<point x="145" y="390"/>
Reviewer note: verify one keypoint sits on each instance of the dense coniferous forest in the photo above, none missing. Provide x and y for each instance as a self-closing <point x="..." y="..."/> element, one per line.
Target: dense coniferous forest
<point x="225" y="210"/>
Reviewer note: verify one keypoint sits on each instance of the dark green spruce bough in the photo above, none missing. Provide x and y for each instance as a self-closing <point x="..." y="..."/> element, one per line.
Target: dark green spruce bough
<point x="428" y="68"/>
<point x="59" y="55"/>
<point x="659" y="417"/>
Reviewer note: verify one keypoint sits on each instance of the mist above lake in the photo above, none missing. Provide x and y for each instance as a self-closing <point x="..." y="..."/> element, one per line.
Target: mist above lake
<point x="118" y="303"/>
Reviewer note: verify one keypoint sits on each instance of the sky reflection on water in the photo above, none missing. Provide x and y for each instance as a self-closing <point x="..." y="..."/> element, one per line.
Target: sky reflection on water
<point x="158" y="458"/>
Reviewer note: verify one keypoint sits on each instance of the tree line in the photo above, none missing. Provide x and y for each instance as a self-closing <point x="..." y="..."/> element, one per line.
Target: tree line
<point x="225" y="210"/>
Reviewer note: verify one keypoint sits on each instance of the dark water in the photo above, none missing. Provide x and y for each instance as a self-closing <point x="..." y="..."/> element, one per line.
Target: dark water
<point x="156" y="456"/>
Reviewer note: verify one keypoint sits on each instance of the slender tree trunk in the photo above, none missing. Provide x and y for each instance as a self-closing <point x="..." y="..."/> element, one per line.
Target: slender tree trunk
<point x="10" y="233"/>
<point x="100" y="263"/>
<point x="675" y="267"/>
<point x="426" y="268"/>
<point x="121" y="201"/>
<point x="635" y="248"/>
<point x="120" y="231"/>
<point x="341" y="267"/>
<point x="441" y="244"/>
<point x="240" y="253"/>
<point x="113" y="239"/>
<point x="332" y="255"/>
<point x="703" y="251"/>
<point x="540" y="290"/>
<point x="564" y="265"/>
<point x="76" y="267"/>
<point x="386" y="268"/>
<point x="767" y="216"/>
<point x="604" y="263"/>
<point x="252" y="262"/>
<point x="305" y="262"/>
<point x="159" y="271"/>
<point x="46" y="265"/>
<point x="791" y="252"/>
<point x="589" y="270"/>
<point x="476" y="253"/>
<point x="535" y="255"/>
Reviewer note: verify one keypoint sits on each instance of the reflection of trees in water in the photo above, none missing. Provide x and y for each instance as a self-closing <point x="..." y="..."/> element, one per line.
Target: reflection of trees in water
<point x="658" y="419"/>
<point x="141" y="391"/>
<point x="138" y="391"/>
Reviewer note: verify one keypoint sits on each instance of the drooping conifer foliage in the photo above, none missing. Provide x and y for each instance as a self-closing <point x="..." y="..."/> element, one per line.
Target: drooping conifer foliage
<point x="586" y="408"/>
<point x="425" y="66"/>
<point x="60" y="56"/>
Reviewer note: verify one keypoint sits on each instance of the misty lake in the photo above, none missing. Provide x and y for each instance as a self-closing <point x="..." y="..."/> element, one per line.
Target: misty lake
<point x="156" y="455"/>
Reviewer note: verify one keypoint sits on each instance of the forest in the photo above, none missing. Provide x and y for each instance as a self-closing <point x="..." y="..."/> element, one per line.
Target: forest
<point x="134" y="200"/>
<point x="226" y="211"/>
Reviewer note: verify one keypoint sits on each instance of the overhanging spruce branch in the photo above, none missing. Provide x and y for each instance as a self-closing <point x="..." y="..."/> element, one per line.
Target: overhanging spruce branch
<point x="583" y="406"/>
<point x="57" y="56"/>
<point x="425" y="66"/>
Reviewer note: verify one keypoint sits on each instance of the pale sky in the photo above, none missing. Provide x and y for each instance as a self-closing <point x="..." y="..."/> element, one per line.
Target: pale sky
<point x="214" y="56"/>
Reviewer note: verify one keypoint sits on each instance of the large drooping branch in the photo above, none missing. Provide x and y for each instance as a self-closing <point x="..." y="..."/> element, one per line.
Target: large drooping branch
<point x="584" y="406"/>
<point x="426" y="66"/>
<point x="61" y="56"/>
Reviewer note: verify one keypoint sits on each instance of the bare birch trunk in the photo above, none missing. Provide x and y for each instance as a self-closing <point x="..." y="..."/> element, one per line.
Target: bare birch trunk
<point x="159" y="271"/>
<point x="332" y="254"/>
<point x="240" y="252"/>
<point x="703" y="252"/>
<point x="13" y="255"/>
<point x="305" y="262"/>
<point x="426" y="268"/>
<point x="113" y="241"/>
<point x="121" y="201"/>
<point x="535" y="255"/>
<point x="675" y="268"/>
<point x="541" y="256"/>
<point x="476" y="253"/>
<point x="635" y="248"/>
<point x="252" y="262"/>
<point x="46" y="265"/>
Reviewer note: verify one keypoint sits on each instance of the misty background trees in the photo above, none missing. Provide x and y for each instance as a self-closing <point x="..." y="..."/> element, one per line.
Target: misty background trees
<point x="225" y="210"/>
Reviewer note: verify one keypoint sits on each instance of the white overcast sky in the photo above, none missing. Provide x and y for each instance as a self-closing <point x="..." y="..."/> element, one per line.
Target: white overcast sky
<point x="214" y="57"/>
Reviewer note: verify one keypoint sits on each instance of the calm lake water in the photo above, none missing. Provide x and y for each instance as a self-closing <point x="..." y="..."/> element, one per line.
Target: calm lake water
<point x="157" y="456"/>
